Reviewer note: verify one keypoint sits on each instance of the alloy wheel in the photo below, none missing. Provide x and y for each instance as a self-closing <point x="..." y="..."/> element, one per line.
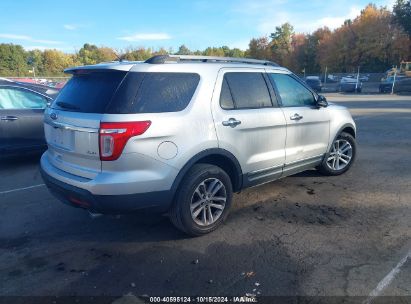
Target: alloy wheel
<point x="340" y="155"/>
<point x="208" y="202"/>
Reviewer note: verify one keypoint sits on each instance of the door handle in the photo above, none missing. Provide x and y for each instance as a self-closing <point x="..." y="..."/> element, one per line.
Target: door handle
<point x="9" y="118"/>
<point x="296" y="117"/>
<point x="232" y="122"/>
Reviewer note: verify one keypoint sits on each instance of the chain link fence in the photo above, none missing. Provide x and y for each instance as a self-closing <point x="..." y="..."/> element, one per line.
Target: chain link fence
<point x="54" y="82"/>
<point x="362" y="83"/>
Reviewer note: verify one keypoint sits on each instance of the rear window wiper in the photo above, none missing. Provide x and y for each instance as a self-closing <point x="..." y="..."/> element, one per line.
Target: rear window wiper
<point x="66" y="105"/>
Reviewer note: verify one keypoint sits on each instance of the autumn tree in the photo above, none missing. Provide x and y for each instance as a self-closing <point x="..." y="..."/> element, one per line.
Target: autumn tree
<point x="259" y="48"/>
<point x="55" y="62"/>
<point x="136" y="54"/>
<point x="370" y="41"/>
<point x="91" y="54"/>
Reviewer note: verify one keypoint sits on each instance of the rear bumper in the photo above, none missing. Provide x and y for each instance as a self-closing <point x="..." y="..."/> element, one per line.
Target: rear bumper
<point x="158" y="201"/>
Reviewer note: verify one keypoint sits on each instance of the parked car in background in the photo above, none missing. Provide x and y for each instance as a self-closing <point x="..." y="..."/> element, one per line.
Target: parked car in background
<point x="403" y="85"/>
<point x="60" y="85"/>
<point x="386" y="84"/>
<point x="332" y="78"/>
<point x="314" y="82"/>
<point x="348" y="78"/>
<point x="21" y="116"/>
<point x="349" y="84"/>
<point x="364" y="78"/>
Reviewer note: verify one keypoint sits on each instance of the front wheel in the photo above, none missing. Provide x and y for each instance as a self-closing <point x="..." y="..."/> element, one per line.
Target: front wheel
<point x="202" y="201"/>
<point x="341" y="155"/>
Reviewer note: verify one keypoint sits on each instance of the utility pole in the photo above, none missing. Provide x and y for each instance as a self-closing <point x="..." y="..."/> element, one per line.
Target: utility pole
<point x="393" y="81"/>
<point x="358" y="77"/>
<point x="325" y="75"/>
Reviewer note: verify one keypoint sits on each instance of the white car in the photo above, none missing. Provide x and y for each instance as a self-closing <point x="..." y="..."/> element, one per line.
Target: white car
<point x="180" y="134"/>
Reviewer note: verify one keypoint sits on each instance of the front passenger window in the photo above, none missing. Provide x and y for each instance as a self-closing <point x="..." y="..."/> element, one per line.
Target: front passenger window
<point x="292" y="92"/>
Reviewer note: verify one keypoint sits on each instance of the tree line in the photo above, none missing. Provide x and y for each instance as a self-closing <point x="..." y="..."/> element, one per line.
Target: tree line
<point x="374" y="41"/>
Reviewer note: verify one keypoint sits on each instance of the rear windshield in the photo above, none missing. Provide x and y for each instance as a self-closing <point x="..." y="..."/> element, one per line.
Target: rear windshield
<point x="126" y="93"/>
<point x="89" y="92"/>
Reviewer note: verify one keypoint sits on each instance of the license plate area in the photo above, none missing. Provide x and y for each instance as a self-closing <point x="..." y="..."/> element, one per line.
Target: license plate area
<point x="62" y="138"/>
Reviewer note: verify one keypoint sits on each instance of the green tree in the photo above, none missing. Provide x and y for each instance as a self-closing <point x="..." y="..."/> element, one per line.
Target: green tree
<point x="13" y="60"/>
<point x="183" y="50"/>
<point x="35" y="61"/>
<point x="214" y="51"/>
<point x="402" y="14"/>
<point x="281" y="43"/>
<point x="236" y="52"/>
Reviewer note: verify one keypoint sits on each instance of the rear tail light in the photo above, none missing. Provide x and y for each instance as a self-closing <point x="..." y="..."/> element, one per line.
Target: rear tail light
<point x="114" y="136"/>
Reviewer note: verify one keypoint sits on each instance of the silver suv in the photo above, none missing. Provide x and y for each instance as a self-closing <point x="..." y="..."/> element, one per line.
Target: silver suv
<point x="180" y="134"/>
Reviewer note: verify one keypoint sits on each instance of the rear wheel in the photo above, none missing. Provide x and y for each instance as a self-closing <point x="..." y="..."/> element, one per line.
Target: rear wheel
<point x="341" y="155"/>
<point x="202" y="201"/>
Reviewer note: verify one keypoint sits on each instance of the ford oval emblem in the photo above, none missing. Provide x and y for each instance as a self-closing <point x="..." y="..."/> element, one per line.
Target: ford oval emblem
<point x="53" y="115"/>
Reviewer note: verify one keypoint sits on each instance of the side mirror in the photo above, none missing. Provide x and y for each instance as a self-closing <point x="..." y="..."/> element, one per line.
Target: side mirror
<point x="322" y="101"/>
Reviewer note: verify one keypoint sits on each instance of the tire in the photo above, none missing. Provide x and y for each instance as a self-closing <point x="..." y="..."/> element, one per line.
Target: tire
<point x="206" y="179"/>
<point x="333" y="163"/>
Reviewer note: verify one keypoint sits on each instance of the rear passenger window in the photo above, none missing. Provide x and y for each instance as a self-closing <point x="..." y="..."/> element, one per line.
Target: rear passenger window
<point x="247" y="90"/>
<point x="154" y="93"/>
<point x="226" y="100"/>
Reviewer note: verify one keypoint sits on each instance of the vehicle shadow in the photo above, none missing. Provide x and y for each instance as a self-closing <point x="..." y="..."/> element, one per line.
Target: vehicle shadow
<point x="308" y="173"/>
<point x="21" y="160"/>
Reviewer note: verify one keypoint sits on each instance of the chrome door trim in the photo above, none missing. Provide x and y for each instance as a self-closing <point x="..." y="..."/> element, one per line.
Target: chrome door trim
<point x="303" y="164"/>
<point x="262" y="176"/>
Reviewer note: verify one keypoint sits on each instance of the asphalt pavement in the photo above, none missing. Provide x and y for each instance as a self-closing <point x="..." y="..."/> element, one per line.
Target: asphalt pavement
<point x="304" y="235"/>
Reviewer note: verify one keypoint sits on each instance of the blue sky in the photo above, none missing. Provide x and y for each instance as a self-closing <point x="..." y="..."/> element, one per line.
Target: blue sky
<point x="68" y="24"/>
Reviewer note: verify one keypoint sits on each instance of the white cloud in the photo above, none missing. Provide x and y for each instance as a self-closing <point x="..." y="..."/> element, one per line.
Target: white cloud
<point x="334" y="22"/>
<point x="146" y="36"/>
<point x="266" y="15"/>
<point x="28" y="38"/>
<point x="70" y="27"/>
<point x="14" y="37"/>
<point x="303" y="24"/>
<point x="39" y="47"/>
<point x="42" y="48"/>
<point x="388" y="3"/>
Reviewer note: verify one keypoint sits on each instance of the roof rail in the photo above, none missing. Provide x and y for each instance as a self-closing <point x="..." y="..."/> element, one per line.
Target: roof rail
<point x="159" y="59"/>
